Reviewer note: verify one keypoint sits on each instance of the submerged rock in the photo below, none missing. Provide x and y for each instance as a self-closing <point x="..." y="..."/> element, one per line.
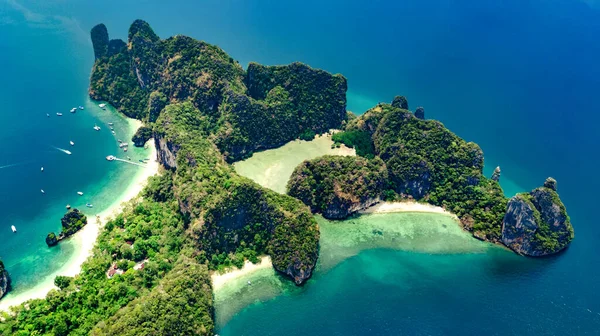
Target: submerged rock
<point x="496" y="174"/>
<point x="536" y="223"/>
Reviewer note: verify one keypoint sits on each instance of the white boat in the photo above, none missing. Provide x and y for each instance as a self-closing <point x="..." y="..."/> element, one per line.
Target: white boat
<point x="110" y="124"/>
<point x="123" y="144"/>
<point x="72" y="143"/>
<point x="124" y="149"/>
<point x="96" y="127"/>
<point x="102" y="105"/>
<point x="59" y="114"/>
<point x="113" y="132"/>
<point x="110" y="158"/>
<point x="42" y="169"/>
<point x="68" y="152"/>
<point x="42" y="190"/>
<point x="74" y="109"/>
<point x="48" y="115"/>
<point x="89" y="205"/>
<point x="80" y="107"/>
<point x="13" y="228"/>
<point x="79" y="193"/>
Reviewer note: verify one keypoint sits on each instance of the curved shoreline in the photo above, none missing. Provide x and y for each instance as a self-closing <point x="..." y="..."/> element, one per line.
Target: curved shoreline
<point x="85" y="239"/>
<point x="407" y="206"/>
<point x="219" y="280"/>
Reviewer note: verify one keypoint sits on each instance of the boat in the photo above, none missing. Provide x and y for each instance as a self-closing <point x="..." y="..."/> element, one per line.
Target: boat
<point x="80" y="107"/>
<point x="142" y="161"/>
<point x="110" y="124"/>
<point x="125" y="149"/>
<point x="74" y="109"/>
<point x="102" y="105"/>
<point x="120" y="140"/>
<point x="96" y="127"/>
<point x="48" y="115"/>
<point x="89" y="205"/>
<point x="42" y="169"/>
<point x="129" y="158"/>
<point x="68" y="206"/>
<point x="59" y="114"/>
<point x="80" y="193"/>
<point x="249" y="283"/>
<point x="111" y="128"/>
<point x="42" y="190"/>
<point x="68" y="152"/>
<point x="110" y="158"/>
<point x="124" y="144"/>
<point x="72" y="143"/>
<point x="13" y="228"/>
<point x="113" y="132"/>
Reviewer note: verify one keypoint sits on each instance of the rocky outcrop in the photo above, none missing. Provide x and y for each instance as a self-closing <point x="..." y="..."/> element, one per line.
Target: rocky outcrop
<point x="338" y="186"/>
<point x="73" y="221"/>
<point x="51" y="239"/>
<point x="496" y="174"/>
<point x="550" y="183"/>
<point x="536" y="223"/>
<point x="400" y="102"/>
<point x="141" y="136"/>
<point x="4" y="280"/>
<point x="116" y="46"/>
<point x="420" y="113"/>
<point x="99" y="35"/>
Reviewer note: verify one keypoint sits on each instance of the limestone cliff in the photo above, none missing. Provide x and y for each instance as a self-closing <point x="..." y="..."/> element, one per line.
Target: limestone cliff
<point x="536" y="223"/>
<point x="4" y="280"/>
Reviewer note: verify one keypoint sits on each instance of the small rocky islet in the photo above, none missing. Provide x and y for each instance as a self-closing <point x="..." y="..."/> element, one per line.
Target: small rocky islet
<point x="204" y="112"/>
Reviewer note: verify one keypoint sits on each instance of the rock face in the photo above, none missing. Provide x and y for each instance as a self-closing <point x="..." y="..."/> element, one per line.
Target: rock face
<point x="496" y="174"/>
<point x="4" y="280"/>
<point x="400" y="102"/>
<point x="550" y="183"/>
<point x="536" y="223"/>
<point x="115" y="46"/>
<point x="420" y="113"/>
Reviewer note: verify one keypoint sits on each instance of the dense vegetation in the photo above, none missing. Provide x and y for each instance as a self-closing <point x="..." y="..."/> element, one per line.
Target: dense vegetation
<point x="262" y="108"/>
<point x="72" y="221"/>
<point x="232" y="217"/>
<point x="425" y="161"/>
<point x="144" y="242"/>
<point x="337" y="186"/>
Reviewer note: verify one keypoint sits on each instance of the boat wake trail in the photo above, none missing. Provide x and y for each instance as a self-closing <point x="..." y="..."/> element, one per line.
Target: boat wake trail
<point x="11" y="165"/>
<point x="62" y="150"/>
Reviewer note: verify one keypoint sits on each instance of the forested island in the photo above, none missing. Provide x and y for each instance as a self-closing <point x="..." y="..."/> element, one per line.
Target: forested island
<point x="71" y="222"/>
<point x="205" y="111"/>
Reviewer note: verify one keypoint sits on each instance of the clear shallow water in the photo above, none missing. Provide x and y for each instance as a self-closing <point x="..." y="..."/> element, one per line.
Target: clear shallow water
<point x="273" y="168"/>
<point x="45" y="70"/>
<point x="518" y="77"/>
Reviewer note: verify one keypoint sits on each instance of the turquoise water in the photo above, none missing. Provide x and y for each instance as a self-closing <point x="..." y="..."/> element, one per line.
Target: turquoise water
<point x="46" y="70"/>
<point x="518" y="77"/>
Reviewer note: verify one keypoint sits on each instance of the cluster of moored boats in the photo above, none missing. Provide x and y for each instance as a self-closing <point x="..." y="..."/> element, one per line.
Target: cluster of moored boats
<point x="96" y="128"/>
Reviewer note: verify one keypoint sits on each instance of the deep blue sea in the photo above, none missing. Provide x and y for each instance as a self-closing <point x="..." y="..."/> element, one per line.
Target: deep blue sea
<point x="519" y="77"/>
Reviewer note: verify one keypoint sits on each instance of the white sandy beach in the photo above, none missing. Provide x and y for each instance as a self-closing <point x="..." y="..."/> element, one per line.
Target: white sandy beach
<point x="219" y="280"/>
<point x="85" y="239"/>
<point x="407" y="206"/>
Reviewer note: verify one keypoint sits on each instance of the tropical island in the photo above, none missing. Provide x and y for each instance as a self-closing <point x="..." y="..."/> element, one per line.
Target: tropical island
<point x="71" y="222"/>
<point x="204" y="112"/>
